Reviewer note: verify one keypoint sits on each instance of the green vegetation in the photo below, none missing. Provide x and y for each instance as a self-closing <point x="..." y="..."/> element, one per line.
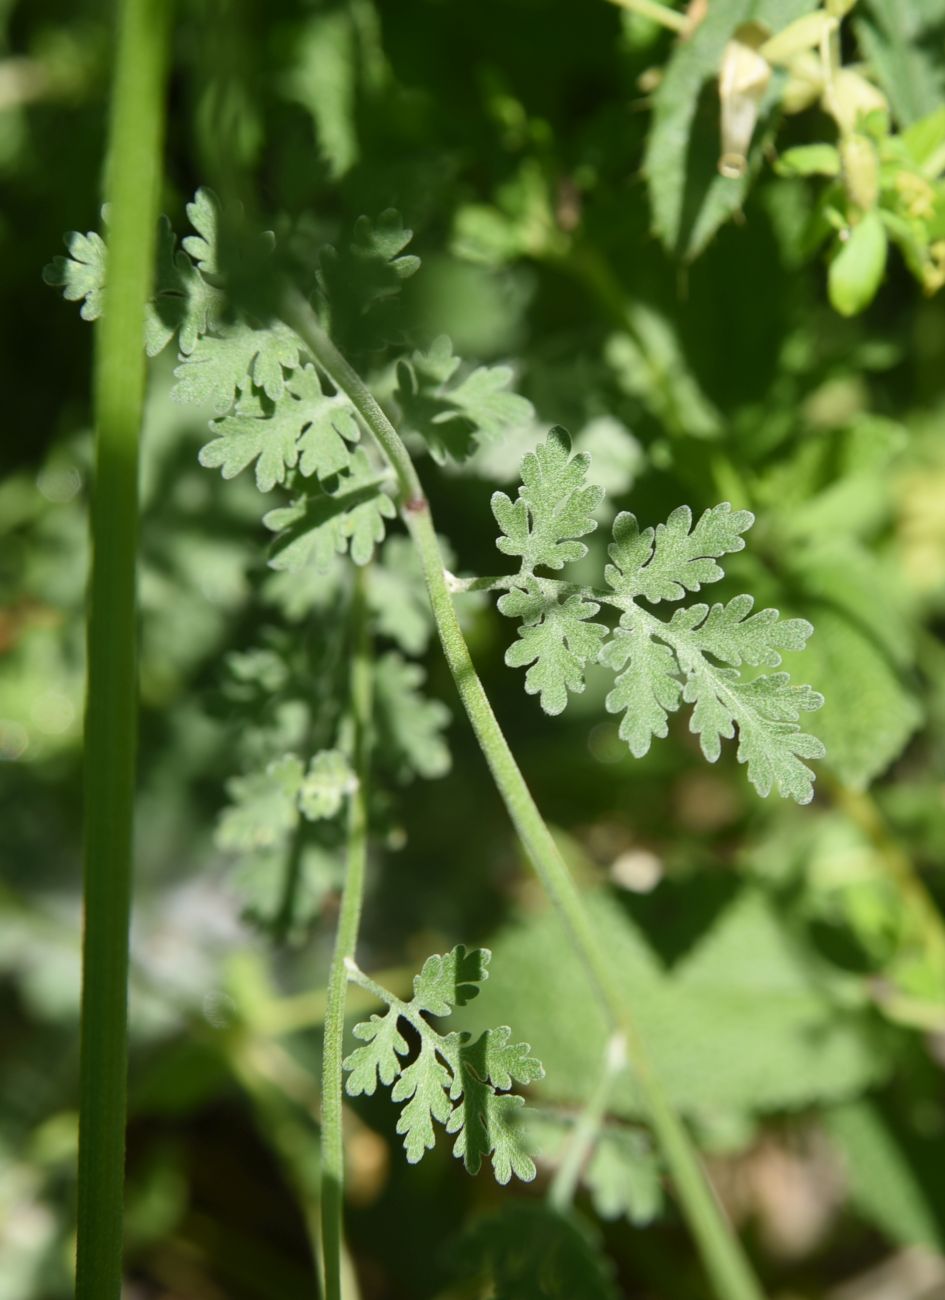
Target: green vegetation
<point x="645" y="286"/>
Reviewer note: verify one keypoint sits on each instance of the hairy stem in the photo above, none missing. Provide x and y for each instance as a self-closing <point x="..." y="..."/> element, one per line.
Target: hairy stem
<point x="725" y="1262"/>
<point x="346" y="939"/>
<point x="132" y="182"/>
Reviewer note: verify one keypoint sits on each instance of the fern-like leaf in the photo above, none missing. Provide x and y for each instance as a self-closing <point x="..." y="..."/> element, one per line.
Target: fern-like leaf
<point x="451" y="413"/>
<point x="453" y="1081"/>
<point x="694" y="657"/>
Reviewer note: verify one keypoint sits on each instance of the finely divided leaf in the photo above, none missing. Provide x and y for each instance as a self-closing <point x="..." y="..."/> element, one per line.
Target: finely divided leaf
<point x="554" y="507"/>
<point x="360" y="279"/>
<point x="378" y="1058"/>
<point x="555" y="638"/>
<point x="692" y="657"/>
<point x="221" y="366"/>
<point x="307" y="428"/>
<point x="409" y="725"/>
<point x="263" y="807"/>
<point x="81" y="275"/>
<point x="322" y="524"/>
<point x="646" y="691"/>
<point x="451" y="415"/>
<point x="665" y="563"/>
<point x="451" y="980"/>
<point x="453" y="1081"/>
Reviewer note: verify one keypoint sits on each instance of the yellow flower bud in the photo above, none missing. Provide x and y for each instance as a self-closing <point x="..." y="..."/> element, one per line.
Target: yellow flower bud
<point x="803" y="34"/>
<point x="849" y="96"/>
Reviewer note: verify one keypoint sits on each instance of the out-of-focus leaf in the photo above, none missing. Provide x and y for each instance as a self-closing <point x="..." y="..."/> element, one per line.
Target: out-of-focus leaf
<point x="902" y="41"/>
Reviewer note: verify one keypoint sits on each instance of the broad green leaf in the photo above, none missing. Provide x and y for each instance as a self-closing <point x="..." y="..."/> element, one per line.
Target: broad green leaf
<point x="451" y="413"/>
<point x="769" y="1026"/>
<point x="665" y="563"/>
<point x="555" y="638"/>
<point x="856" y="271"/>
<point x="554" y="507"/>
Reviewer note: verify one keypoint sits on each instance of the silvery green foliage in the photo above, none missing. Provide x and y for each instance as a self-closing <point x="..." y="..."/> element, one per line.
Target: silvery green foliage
<point x="453" y="1080"/>
<point x="695" y="657"/>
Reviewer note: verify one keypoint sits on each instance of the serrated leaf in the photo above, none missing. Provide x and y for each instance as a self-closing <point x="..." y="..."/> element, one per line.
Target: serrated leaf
<point x="768" y="1026"/>
<point x="326" y="785"/>
<point x="263" y="808"/>
<point x="204" y="214"/>
<point x="450" y="416"/>
<point x="690" y="200"/>
<point x="451" y="980"/>
<point x="378" y="1059"/>
<point x="409" y="726"/>
<point x="307" y="428"/>
<point x="221" y="366"/>
<point x="676" y="557"/>
<point x="555" y="638"/>
<point x="554" y="507"/>
<point x="320" y="525"/>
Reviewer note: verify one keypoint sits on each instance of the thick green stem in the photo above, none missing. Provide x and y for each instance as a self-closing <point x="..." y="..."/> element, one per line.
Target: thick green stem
<point x="132" y="185"/>
<point x="349" y="918"/>
<point x="725" y="1262"/>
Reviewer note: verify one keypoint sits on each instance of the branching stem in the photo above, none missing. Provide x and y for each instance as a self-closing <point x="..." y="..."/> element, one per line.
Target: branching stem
<point x="725" y="1262"/>
<point x="132" y="184"/>
<point x="349" y="918"/>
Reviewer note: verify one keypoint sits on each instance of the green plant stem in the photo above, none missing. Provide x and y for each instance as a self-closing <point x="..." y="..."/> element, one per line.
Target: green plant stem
<point x="724" y="1259"/>
<point x="587" y="1127"/>
<point x="132" y="183"/>
<point x="346" y="939"/>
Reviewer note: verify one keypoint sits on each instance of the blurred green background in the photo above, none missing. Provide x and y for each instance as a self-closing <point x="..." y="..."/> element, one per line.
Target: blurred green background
<point x="557" y="163"/>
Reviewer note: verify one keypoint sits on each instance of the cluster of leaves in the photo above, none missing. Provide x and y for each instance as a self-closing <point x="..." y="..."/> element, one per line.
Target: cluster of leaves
<point x="694" y="657"/>
<point x="460" y="1082"/>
